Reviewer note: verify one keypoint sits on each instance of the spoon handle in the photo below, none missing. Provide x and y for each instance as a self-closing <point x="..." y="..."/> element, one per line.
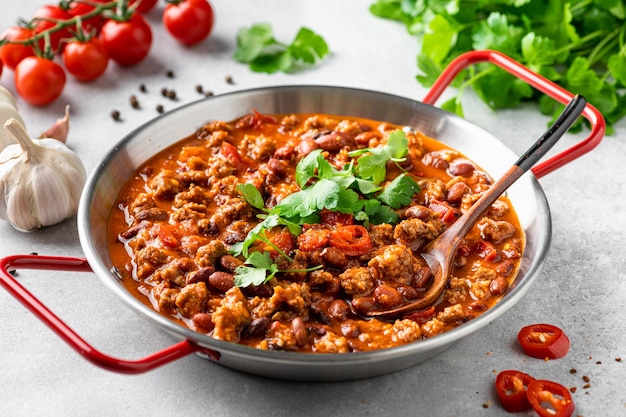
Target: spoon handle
<point x="552" y="135"/>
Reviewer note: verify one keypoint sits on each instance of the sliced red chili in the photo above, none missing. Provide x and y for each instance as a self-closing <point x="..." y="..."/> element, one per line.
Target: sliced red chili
<point x="543" y="341"/>
<point x="283" y="241"/>
<point x="232" y="155"/>
<point x="313" y="239"/>
<point x="511" y="387"/>
<point x="256" y="120"/>
<point x="550" y="399"/>
<point x="352" y="240"/>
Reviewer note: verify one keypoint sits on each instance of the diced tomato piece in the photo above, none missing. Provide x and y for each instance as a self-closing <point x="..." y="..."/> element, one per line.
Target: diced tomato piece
<point x="256" y="120"/>
<point x="486" y="251"/>
<point x="313" y="239"/>
<point x="167" y="234"/>
<point x="422" y="317"/>
<point x="232" y="155"/>
<point x="336" y="218"/>
<point x="446" y="213"/>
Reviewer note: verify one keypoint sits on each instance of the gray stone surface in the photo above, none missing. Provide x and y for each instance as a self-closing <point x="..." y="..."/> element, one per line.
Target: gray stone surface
<point x="582" y="287"/>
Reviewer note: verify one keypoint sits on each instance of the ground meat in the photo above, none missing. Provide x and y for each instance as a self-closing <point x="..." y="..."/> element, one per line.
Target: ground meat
<point x="495" y="231"/>
<point x="395" y="263"/>
<point x="357" y="282"/>
<point x="209" y="254"/>
<point x="406" y="331"/>
<point x="149" y="258"/>
<point x="331" y="343"/>
<point x="281" y="337"/>
<point x="258" y="148"/>
<point x="165" y="184"/>
<point x="165" y="298"/>
<point x="433" y="328"/>
<point x="174" y="272"/>
<point x="416" y="231"/>
<point x="451" y="313"/>
<point x="231" y="316"/>
<point x="295" y="296"/>
<point x="236" y="208"/>
<point x="381" y="234"/>
<point x="191" y="298"/>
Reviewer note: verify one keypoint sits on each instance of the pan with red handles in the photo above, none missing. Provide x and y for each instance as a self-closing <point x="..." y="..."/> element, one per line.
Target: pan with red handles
<point x="137" y="147"/>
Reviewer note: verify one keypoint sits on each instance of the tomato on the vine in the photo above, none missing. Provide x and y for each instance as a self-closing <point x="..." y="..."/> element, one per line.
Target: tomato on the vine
<point x="46" y="16"/>
<point x="85" y="60"/>
<point x="38" y="80"/>
<point x="81" y="9"/>
<point x="12" y="54"/>
<point x="144" y="6"/>
<point x="188" y="21"/>
<point x="128" y="42"/>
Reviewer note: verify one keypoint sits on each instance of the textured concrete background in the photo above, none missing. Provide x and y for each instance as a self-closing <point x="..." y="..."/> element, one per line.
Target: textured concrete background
<point x="582" y="287"/>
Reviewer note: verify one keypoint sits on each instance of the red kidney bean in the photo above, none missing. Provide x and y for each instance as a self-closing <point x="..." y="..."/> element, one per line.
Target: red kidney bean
<point x="201" y="275"/>
<point x="203" y="322"/>
<point x="498" y="286"/>
<point x="221" y="281"/>
<point x="256" y="327"/>
<point x="435" y="160"/>
<point x="264" y="291"/>
<point x="306" y="146"/>
<point x="230" y="263"/>
<point x="408" y="292"/>
<point x="456" y="191"/>
<point x="365" y="137"/>
<point x="330" y="142"/>
<point x="299" y="331"/>
<point x="363" y="305"/>
<point x="461" y="167"/>
<point x="284" y="152"/>
<point x="387" y="297"/>
<point x="477" y="306"/>
<point x="417" y="212"/>
<point x="338" y="310"/>
<point x="277" y="167"/>
<point x="421" y="278"/>
<point x="505" y="267"/>
<point x="334" y="257"/>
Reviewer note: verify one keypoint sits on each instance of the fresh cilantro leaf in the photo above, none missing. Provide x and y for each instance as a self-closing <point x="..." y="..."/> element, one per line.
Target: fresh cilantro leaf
<point x="257" y="47"/>
<point x="372" y="165"/>
<point x="399" y="192"/>
<point x="252" y="196"/>
<point x="262" y="269"/>
<point x="377" y="213"/>
<point x="307" y="168"/>
<point x="323" y="194"/>
<point x="440" y="37"/>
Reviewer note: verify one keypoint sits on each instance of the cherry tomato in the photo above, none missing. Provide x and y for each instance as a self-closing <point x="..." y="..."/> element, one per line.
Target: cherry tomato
<point x="353" y="240"/>
<point x="512" y="387"/>
<point x="543" y="341"/>
<point x="129" y="42"/>
<point x="85" y="60"/>
<point x="49" y="13"/>
<point x="145" y="6"/>
<point x="38" y="80"/>
<point x="13" y="54"/>
<point x="189" y="21"/>
<point x="81" y="9"/>
<point x="550" y="399"/>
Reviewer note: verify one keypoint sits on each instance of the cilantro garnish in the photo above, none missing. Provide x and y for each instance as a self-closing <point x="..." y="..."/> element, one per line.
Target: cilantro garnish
<point x="257" y="47"/>
<point x="580" y="45"/>
<point x="354" y="190"/>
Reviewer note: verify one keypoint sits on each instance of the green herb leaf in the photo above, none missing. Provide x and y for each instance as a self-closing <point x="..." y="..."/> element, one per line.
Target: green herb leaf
<point x="372" y="166"/>
<point x="399" y="192"/>
<point x="252" y="196"/>
<point x="257" y="47"/>
<point x="323" y="194"/>
<point x="262" y="269"/>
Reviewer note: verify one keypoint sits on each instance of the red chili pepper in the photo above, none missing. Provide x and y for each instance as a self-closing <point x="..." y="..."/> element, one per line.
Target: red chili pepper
<point x="232" y="155"/>
<point x="511" y="387"/>
<point x="352" y="240"/>
<point x="543" y="341"/>
<point x="550" y="399"/>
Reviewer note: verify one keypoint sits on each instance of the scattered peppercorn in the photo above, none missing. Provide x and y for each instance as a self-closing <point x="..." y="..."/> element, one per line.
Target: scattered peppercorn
<point x="142" y="88"/>
<point x="573" y="371"/>
<point x="618" y="359"/>
<point x="599" y="363"/>
<point x="230" y="80"/>
<point x="116" y="115"/>
<point x="169" y="74"/>
<point x="199" y="89"/>
<point x="134" y="102"/>
<point x="573" y="390"/>
<point x="586" y="378"/>
<point x="208" y="94"/>
<point x="159" y="108"/>
<point x="486" y="405"/>
<point x="586" y="386"/>
<point x="171" y="94"/>
<point x="164" y="92"/>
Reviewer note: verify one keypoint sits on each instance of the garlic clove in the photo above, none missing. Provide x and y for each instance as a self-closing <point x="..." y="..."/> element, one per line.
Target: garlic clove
<point x="40" y="180"/>
<point x="60" y="128"/>
<point x="7" y="98"/>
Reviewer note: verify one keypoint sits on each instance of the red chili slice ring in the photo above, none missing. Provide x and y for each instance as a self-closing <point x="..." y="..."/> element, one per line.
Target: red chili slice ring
<point x="550" y="399"/>
<point x="543" y="341"/>
<point x="352" y="240"/>
<point x="511" y="387"/>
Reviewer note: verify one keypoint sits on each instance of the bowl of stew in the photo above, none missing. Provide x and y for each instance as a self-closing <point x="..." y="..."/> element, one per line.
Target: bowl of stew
<point x="283" y="286"/>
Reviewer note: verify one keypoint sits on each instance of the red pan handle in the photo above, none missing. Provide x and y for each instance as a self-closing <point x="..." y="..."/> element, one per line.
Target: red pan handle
<point x="93" y="355"/>
<point x="598" y="126"/>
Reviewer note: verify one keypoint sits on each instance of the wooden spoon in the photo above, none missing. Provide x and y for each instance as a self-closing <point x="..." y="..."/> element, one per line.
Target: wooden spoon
<point x="439" y="254"/>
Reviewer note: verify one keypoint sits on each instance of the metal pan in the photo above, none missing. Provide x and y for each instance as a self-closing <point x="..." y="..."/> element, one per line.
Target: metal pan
<point x="121" y="162"/>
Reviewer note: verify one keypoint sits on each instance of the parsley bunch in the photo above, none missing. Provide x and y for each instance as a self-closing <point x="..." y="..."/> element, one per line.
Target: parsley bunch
<point x="257" y="47"/>
<point x="355" y="189"/>
<point x="579" y="44"/>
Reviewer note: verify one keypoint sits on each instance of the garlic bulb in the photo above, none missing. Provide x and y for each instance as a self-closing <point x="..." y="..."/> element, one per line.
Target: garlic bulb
<point x="40" y="180"/>
<point x="8" y="110"/>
